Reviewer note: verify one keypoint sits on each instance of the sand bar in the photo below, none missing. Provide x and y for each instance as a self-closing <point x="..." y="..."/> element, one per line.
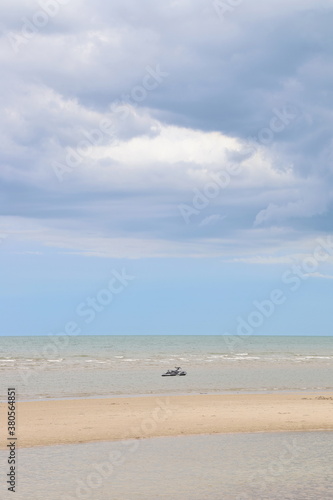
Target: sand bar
<point x="89" y="420"/>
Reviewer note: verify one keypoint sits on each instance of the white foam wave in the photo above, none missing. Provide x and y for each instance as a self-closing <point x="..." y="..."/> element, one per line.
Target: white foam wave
<point x="317" y="357"/>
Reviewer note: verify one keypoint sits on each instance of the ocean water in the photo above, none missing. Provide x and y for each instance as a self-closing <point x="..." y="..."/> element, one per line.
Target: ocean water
<point x="91" y="366"/>
<point x="277" y="466"/>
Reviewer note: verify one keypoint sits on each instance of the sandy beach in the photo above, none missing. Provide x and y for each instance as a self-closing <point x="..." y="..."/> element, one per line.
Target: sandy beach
<point x="89" y="420"/>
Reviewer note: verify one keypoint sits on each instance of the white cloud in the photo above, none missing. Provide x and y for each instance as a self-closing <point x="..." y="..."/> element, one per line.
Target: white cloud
<point x="314" y="200"/>
<point x="319" y="275"/>
<point x="211" y="219"/>
<point x="222" y="88"/>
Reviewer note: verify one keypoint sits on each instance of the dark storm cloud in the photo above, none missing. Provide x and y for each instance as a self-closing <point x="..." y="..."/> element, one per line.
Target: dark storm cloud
<point x="261" y="74"/>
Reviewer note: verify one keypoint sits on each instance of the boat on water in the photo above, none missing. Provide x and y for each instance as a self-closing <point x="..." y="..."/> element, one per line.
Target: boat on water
<point x="173" y="373"/>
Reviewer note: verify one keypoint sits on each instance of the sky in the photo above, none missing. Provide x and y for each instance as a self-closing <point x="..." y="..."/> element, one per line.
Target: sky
<point x="166" y="167"/>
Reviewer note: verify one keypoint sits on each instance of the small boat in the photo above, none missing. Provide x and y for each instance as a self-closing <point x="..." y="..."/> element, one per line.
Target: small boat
<point x="173" y="373"/>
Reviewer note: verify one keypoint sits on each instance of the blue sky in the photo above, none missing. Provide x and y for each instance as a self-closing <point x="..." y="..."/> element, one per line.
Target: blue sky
<point x="184" y="146"/>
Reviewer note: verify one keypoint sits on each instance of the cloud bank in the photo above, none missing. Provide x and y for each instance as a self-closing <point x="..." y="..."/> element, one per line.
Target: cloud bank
<point x="166" y="129"/>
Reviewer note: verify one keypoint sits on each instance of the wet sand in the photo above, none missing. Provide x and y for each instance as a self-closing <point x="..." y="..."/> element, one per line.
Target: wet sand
<point x="52" y="422"/>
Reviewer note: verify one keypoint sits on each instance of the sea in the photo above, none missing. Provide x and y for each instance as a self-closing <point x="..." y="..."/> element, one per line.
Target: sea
<point x="254" y="466"/>
<point x="58" y="367"/>
<point x="261" y="466"/>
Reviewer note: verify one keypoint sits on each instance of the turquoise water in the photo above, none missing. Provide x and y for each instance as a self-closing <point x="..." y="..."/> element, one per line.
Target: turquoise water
<point x="89" y="366"/>
<point x="277" y="466"/>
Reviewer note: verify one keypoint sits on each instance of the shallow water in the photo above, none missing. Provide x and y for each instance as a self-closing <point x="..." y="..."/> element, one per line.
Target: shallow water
<point x="110" y="365"/>
<point x="274" y="466"/>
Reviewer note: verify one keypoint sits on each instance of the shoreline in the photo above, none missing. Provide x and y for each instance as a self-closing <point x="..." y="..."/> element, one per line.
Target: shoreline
<point x="73" y="421"/>
<point x="298" y="392"/>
